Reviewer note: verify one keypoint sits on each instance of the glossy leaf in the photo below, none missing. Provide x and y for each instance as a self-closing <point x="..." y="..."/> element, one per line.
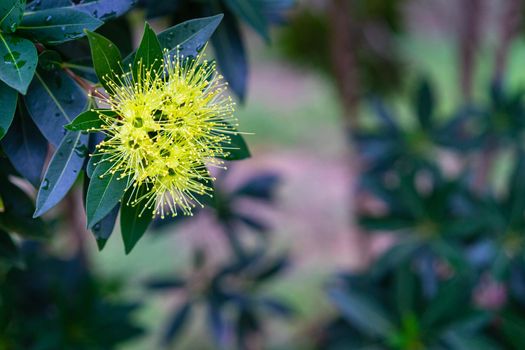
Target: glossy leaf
<point x="25" y="147"/>
<point x="55" y="26"/>
<point x="88" y="120"/>
<point x="54" y="100"/>
<point x="189" y="36"/>
<point x="104" y="193"/>
<point x="62" y="171"/>
<point x="134" y="220"/>
<point x="8" y="99"/>
<point x="149" y="52"/>
<point x="103" y="229"/>
<point x="20" y="61"/>
<point x="105" y="9"/>
<point x="106" y="57"/>
<point x="11" y="12"/>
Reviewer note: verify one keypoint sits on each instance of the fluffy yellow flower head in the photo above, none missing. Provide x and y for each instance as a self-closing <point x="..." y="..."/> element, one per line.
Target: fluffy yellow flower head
<point x="172" y="121"/>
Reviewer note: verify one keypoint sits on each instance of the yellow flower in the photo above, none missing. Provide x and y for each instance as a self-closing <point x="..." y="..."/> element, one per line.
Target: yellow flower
<point x="172" y="122"/>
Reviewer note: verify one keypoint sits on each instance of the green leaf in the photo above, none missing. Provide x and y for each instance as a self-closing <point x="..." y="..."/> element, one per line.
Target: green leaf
<point x="18" y="212"/>
<point x="104" y="192"/>
<point x="237" y="148"/>
<point x="252" y="13"/>
<point x="20" y="61"/>
<point x="25" y="146"/>
<point x="134" y="219"/>
<point x="513" y="329"/>
<point x="53" y="100"/>
<point x="8" y="98"/>
<point x="11" y="12"/>
<point x="9" y="253"/>
<point x="189" y="36"/>
<point x="231" y="55"/>
<point x="361" y="311"/>
<point x="424" y="104"/>
<point x="55" y="26"/>
<point x="88" y="120"/>
<point x="149" y="52"/>
<point x="62" y="171"/>
<point x="106" y="57"/>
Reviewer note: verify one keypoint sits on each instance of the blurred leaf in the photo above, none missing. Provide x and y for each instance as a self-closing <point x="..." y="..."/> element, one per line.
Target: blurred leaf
<point x="134" y="217"/>
<point x="513" y="329"/>
<point x="106" y="57"/>
<point x="9" y="253"/>
<point x="11" y="12"/>
<point x="175" y="325"/>
<point x="448" y="303"/>
<point x="468" y="341"/>
<point x="425" y="104"/>
<point x="260" y="186"/>
<point x="17" y="215"/>
<point x="165" y="284"/>
<point x="55" y="26"/>
<point x="54" y="100"/>
<point x="361" y="312"/>
<point x="25" y="147"/>
<point x="8" y="99"/>
<point x="62" y="172"/>
<point x="229" y="49"/>
<point x="252" y="13"/>
<point x="20" y="61"/>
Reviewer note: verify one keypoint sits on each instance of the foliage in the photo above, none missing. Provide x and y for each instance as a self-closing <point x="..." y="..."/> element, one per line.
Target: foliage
<point x="455" y="271"/>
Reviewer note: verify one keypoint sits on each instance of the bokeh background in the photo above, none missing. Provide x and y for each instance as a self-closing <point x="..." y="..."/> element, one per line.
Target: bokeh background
<point x="298" y="118"/>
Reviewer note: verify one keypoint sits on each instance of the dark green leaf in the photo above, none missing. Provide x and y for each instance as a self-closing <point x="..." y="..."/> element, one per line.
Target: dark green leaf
<point x="62" y="171"/>
<point x="424" y="104"/>
<point x="20" y="61"/>
<point x="8" y="98"/>
<point x="88" y="120"/>
<point x="231" y="56"/>
<point x="106" y="57"/>
<point x="252" y="13"/>
<point x="11" y="12"/>
<point x="513" y="329"/>
<point x="149" y="52"/>
<point x="9" y="253"/>
<point x="177" y="322"/>
<point x="134" y="218"/>
<point x="189" y="36"/>
<point x="55" y="26"/>
<point x="237" y="148"/>
<point x="104" y="192"/>
<point x="53" y="100"/>
<point x="361" y="311"/>
<point x="18" y="212"/>
<point x="25" y="147"/>
<point x="103" y="229"/>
